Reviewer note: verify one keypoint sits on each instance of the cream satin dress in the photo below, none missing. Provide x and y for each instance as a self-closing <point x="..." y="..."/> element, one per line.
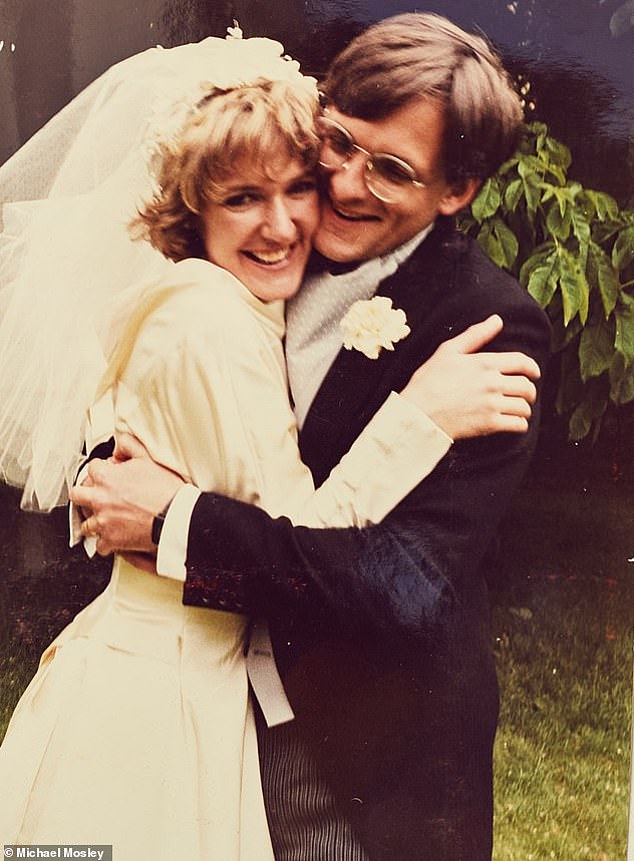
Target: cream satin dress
<point x="137" y="729"/>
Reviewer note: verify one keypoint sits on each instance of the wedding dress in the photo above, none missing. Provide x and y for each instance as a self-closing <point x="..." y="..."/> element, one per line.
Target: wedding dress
<point x="137" y="729"/>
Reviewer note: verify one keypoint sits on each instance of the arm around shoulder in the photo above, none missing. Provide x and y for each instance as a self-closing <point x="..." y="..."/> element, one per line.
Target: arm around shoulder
<point x="408" y="570"/>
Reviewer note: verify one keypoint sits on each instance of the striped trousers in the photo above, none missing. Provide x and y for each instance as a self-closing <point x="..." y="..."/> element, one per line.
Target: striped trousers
<point x="303" y="819"/>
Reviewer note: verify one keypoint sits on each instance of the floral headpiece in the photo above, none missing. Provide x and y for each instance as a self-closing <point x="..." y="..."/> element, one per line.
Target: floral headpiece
<point x="217" y="65"/>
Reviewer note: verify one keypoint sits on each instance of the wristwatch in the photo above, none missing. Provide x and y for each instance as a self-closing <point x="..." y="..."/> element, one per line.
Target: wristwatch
<point x="158" y="522"/>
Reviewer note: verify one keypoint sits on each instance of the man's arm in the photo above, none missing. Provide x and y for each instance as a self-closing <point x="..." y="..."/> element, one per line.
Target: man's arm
<point x="403" y="574"/>
<point x="465" y="392"/>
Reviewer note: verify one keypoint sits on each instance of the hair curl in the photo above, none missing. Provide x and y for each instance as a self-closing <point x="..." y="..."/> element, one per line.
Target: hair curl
<point x="255" y="121"/>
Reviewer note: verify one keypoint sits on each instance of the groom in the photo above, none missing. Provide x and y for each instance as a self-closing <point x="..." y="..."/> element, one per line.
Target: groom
<point x="381" y="634"/>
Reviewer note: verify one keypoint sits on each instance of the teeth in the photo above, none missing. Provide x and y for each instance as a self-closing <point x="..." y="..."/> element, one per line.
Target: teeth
<point x="270" y="256"/>
<point x="349" y="216"/>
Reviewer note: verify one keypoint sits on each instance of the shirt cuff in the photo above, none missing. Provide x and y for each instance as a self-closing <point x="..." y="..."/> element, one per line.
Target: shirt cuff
<point x="172" y="549"/>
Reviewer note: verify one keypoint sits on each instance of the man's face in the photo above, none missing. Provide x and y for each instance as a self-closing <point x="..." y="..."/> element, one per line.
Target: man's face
<point x="355" y="225"/>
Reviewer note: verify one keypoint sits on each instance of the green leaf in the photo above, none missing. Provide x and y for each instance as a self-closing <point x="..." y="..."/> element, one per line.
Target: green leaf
<point x="537" y="258"/>
<point x="575" y="291"/>
<point x="508" y="242"/>
<point x="604" y="231"/>
<point x="513" y="194"/>
<point x="580" y="422"/>
<point x="589" y="412"/>
<point x="542" y="280"/>
<point x="624" y="315"/>
<point x="601" y="272"/>
<point x="558" y="153"/>
<point x="549" y="191"/>
<point x="553" y="156"/>
<point x="558" y="220"/>
<point x="580" y="228"/>
<point x="542" y="286"/>
<point x="507" y="166"/>
<point x="532" y="184"/>
<point x="488" y="200"/>
<point x="621" y="380"/>
<point x="604" y="205"/>
<point x="531" y="165"/>
<point x="574" y="249"/>
<point x="499" y="243"/>
<point x="596" y="350"/>
<point x="558" y="173"/>
<point x="623" y="251"/>
<point x="489" y="244"/>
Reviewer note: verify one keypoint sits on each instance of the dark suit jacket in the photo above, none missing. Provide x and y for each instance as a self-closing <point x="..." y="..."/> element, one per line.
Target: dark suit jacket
<point x="382" y="633"/>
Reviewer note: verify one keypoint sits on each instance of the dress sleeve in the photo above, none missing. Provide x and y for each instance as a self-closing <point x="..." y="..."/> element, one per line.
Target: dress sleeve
<point x="213" y="406"/>
<point x="397" y="449"/>
<point x="408" y="573"/>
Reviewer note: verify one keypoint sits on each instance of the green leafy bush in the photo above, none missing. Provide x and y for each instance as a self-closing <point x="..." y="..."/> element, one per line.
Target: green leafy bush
<point x="573" y="250"/>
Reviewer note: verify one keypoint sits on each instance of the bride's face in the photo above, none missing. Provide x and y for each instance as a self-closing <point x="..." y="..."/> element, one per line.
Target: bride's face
<point x="261" y="230"/>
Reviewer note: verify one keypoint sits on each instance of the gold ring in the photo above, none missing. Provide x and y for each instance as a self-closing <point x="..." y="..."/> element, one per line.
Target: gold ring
<point x="92" y="531"/>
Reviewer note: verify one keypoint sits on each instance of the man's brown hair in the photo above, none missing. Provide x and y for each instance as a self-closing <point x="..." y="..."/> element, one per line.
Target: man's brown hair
<point x="421" y="55"/>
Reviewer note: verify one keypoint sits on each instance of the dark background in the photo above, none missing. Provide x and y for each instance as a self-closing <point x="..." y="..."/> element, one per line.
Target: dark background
<point x="577" y="55"/>
<point x="569" y="538"/>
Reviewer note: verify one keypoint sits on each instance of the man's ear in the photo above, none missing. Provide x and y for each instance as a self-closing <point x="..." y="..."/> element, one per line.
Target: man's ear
<point x="458" y="196"/>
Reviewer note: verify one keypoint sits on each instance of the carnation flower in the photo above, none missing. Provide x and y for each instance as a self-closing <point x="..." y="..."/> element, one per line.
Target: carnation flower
<point x="372" y="324"/>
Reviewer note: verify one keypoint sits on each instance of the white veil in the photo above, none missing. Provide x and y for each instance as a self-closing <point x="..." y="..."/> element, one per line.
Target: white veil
<point x="67" y="263"/>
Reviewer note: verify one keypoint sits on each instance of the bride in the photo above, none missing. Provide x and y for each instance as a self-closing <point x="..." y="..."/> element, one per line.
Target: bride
<point x="137" y="729"/>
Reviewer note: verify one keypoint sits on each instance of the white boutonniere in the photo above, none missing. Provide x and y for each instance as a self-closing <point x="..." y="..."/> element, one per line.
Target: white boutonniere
<point x="372" y="324"/>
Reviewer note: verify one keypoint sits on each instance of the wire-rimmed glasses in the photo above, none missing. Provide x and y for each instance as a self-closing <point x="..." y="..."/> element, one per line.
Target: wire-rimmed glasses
<point x="387" y="177"/>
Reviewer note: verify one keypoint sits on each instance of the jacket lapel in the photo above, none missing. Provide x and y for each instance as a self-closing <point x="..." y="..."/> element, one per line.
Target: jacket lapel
<point x="355" y="386"/>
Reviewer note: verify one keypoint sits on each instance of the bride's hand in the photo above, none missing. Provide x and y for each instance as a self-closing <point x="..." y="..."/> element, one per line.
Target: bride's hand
<point x="123" y="495"/>
<point x="469" y="393"/>
<point x="128" y="446"/>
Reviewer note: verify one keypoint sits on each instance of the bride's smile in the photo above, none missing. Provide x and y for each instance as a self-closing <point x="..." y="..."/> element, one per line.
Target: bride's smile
<point x="262" y="226"/>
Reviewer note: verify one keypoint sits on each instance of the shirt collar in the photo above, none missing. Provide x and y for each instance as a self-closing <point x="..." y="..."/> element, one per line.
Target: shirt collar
<point x="399" y="255"/>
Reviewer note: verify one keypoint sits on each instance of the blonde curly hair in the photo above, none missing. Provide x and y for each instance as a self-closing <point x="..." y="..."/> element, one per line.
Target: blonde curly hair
<point x="254" y="121"/>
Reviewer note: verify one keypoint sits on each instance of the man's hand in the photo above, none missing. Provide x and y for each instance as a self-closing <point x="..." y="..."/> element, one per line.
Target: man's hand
<point x="122" y="496"/>
<point x="467" y="393"/>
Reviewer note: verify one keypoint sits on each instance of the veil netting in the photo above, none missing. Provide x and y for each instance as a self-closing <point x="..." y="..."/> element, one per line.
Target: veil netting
<point x="69" y="268"/>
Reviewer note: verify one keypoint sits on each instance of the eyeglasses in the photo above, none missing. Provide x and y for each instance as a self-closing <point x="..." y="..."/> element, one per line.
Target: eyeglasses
<point x="387" y="177"/>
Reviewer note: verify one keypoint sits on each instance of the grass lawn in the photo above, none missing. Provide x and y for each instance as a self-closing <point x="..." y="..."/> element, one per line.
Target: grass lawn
<point x="563" y="620"/>
<point x="562" y="751"/>
<point x="563" y="613"/>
